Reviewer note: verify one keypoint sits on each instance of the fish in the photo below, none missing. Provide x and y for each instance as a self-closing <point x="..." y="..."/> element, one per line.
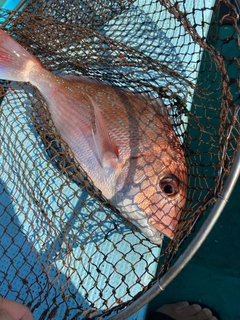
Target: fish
<point x="124" y="141"/>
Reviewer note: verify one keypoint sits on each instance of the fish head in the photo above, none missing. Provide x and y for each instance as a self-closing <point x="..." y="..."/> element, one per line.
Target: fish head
<point x="163" y="195"/>
<point x="151" y="190"/>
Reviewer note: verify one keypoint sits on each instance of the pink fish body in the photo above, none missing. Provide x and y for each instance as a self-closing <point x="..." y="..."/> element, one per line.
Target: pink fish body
<point x="128" y="149"/>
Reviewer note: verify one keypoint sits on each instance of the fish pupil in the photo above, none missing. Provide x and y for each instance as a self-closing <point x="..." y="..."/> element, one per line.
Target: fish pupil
<point x="168" y="189"/>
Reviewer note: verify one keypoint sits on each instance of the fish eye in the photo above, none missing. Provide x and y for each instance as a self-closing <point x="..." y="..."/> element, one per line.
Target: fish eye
<point x="169" y="185"/>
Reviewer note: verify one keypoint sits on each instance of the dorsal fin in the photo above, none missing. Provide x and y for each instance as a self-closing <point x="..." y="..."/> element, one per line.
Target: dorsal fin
<point x="157" y="103"/>
<point x="82" y="78"/>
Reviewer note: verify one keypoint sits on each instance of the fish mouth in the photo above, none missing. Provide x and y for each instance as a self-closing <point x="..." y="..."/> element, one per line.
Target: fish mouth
<point x="138" y="218"/>
<point x="166" y="229"/>
<point x="165" y="218"/>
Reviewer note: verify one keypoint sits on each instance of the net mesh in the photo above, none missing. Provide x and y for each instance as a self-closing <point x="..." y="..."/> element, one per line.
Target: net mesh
<point x="65" y="251"/>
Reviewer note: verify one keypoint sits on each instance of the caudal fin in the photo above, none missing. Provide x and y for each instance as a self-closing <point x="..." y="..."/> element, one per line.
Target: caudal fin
<point x="15" y="61"/>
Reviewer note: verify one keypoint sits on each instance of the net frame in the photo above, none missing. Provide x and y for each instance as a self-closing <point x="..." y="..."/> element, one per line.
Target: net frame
<point x="192" y="248"/>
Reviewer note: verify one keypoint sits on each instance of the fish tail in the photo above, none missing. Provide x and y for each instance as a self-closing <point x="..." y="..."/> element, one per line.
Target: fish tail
<point x="15" y="62"/>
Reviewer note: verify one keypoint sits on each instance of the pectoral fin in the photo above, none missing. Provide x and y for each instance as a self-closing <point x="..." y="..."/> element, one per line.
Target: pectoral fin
<point x="106" y="150"/>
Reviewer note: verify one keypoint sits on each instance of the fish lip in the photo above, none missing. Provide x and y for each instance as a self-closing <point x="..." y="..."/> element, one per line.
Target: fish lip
<point x="167" y="230"/>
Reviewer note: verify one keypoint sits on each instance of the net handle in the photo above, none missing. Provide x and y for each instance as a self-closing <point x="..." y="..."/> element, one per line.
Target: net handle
<point x="192" y="247"/>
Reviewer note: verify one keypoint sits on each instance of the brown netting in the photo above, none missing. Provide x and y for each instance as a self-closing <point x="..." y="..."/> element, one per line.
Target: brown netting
<point x="64" y="250"/>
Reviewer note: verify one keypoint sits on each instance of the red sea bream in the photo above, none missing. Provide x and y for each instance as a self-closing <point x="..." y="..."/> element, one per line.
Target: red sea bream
<point x="127" y="147"/>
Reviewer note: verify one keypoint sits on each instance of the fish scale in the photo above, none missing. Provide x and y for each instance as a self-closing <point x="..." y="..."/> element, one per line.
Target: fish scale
<point x="129" y="150"/>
